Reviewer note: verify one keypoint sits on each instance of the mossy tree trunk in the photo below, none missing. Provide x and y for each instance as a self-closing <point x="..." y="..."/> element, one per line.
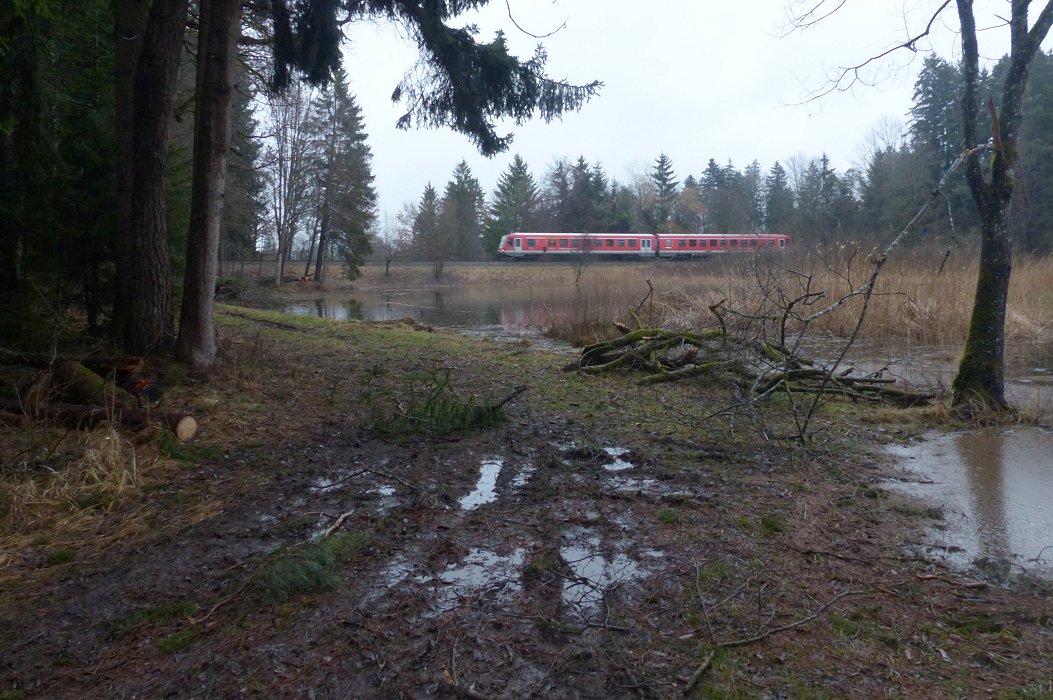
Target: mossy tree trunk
<point x="980" y="379"/>
<point x="980" y="383"/>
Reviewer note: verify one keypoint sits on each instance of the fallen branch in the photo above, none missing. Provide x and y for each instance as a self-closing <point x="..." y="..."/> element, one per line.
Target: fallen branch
<point x="336" y="526"/>
<point x="758" y="367"/>
<point x="708" y="660"/>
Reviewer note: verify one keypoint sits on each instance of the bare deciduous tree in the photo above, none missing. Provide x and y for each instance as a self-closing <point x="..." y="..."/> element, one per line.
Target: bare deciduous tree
<point x="989" y="165"/>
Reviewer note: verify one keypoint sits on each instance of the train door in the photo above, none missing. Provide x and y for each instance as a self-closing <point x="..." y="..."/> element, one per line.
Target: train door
<point x="517" y="243"/>
<point x="645" y="247"/>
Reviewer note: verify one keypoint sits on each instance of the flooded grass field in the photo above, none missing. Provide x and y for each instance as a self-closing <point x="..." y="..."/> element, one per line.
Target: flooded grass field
<point x="595" y="539"/>
<point x="991" y="483"/>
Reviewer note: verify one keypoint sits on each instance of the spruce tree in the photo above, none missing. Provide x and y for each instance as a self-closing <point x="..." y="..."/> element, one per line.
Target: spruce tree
<point x="461" y="215"/>
<point x="515" y="204"/>
<point x="346" y="201"/>
<point x="666" y="187"/>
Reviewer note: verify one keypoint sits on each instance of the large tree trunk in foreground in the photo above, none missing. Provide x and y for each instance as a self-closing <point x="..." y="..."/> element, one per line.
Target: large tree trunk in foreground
<point x="217" y="46"/>
<point x="129" y="22"/>
<point x="145" y="316"/>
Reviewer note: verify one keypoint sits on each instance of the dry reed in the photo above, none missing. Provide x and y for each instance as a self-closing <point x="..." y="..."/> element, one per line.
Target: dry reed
<point x="921" y="298"/>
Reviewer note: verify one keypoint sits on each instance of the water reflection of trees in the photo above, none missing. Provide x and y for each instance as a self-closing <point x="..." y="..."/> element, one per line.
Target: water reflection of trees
<point x="983" y="456"/>
<point x="326" y="308"/>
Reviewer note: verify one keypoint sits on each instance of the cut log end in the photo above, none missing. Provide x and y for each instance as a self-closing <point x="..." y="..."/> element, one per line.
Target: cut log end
<point x="185" y="428"/>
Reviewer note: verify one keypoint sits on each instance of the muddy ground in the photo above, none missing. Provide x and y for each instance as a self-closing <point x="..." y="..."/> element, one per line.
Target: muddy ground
<point x="603" y="541"/>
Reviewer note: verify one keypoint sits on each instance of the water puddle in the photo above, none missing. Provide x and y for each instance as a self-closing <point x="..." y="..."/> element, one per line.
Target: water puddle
<point x="482" y="573"/>
<point x="994" y="487"/>
<point x="594" y="573"/>
<point x="523" y="477"/>
<point x="486" y="488"/>
<point x="617" y="462"/>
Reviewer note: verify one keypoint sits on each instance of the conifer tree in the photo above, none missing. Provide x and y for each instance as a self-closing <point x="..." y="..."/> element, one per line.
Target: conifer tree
<point x="461" y="215"/>
<point x="666" y="187"/>
<point x="346" y="200"/>
<point x="515" y="204"/>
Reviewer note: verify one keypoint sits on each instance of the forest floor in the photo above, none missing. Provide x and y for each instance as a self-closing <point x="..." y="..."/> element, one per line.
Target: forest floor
<point x="319" y="538"/>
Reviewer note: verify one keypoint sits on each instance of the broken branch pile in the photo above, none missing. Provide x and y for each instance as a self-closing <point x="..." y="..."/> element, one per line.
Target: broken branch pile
<point x="757" y="367"/>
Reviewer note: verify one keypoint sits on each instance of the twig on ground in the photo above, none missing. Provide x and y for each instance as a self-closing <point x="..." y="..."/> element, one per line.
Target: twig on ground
<point x="708" y="660"/>
<point x="951" y="581"/>
<point x="339" y="521"/>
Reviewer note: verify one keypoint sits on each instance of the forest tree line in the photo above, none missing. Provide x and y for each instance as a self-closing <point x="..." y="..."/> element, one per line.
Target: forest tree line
<point x="299" y="183"/>
<point x="807" y="198"/>
<point x="142" y="141"/>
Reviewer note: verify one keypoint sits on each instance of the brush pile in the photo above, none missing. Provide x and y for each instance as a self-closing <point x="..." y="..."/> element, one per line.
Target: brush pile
<point x="758" y="368"/>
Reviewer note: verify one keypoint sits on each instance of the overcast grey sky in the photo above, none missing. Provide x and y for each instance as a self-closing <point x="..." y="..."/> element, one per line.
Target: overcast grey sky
<point x="693" y="79"/>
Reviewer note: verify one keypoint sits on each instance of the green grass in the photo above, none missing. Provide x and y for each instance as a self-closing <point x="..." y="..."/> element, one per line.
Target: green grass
<point x="311" y="569"/>
<point x="60" y="556"/>
<point x="771" y="525"/>
<point x="191" y="453"/>
<point x="180" y="640"/>
<point x="425" y="403"/>
<point x="153" y="615"/>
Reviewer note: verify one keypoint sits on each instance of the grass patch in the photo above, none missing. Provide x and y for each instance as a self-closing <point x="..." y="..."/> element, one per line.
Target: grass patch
<point x="193" y="453"/>
<point x="668" y="516"/>
<point x="425" y="403"/>
<point x="153" y="615"/>
<point x="60" y="556"/>
<point x="310" y="569"/>
<point x="180" y="640"/>
<point x="771" y="525"/>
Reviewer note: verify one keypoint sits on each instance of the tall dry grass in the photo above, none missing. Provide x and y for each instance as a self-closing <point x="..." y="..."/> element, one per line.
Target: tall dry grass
<point x="61" y="483"/>
<point x="922" y="298"/>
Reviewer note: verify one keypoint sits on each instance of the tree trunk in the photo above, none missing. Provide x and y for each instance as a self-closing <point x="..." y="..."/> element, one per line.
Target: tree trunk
<point x="980" y="382"/>
<point x="129" y="23"/>
<point x="217" y="46"/>
<point x="146" y="301"/>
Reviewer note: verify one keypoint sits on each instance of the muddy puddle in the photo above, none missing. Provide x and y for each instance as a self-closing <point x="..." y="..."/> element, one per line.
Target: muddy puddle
<point x="994" y="489"/>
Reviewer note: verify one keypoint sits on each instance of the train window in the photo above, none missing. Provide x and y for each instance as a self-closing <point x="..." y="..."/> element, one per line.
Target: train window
<point x="632" y="242"/>
<point x="668" y="244"/>
<point x="563" y="243"/>
<point x="610" y="242"/>
<point x="682" y="243"/>
<point x="734" y="243"/>
<point x="575" y="243"/>
<point x="723" y="243"/>
<point x="694" y="243"/>
<point x="552" y="242"/>
<point x="531" y="243"/>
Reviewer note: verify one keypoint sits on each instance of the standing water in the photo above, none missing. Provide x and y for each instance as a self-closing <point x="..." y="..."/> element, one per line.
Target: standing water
<point x="994" y="487"/>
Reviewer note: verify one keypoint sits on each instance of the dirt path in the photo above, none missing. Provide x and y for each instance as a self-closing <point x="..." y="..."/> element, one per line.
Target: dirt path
<point x="594" y="545"/>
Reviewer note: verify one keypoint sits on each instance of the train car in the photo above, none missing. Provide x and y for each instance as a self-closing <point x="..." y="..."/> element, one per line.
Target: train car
<point x="538" y="246"/>
<point x="563" y="245"/>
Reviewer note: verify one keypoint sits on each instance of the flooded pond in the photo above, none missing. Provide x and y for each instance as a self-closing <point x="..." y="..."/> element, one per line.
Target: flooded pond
<point x="485" y="311"/>
<point x="994" y="488"/>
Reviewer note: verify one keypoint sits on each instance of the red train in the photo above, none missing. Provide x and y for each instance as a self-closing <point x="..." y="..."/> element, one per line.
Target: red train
<point x="679" y="246"/>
